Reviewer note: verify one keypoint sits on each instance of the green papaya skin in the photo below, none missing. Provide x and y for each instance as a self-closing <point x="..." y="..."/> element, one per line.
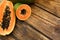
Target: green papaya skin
<point x="22" y="1"/>
<point x="16" y="6"/>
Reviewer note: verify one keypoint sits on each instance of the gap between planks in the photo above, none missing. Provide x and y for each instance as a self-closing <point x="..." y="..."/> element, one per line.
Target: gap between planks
<point x="45" y="15"/>
<point x="38" y="21"/>
<point x="24" y="32"/>
<point x="53" y="6"/>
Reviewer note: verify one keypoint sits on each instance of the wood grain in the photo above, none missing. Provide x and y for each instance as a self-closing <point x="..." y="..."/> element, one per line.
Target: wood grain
<point x="7" y="38"/>
<point x="52" y="6"/>
<point x="45" y="15"/>
<point x="24" y="32"/>
<point x="45" y="22"/>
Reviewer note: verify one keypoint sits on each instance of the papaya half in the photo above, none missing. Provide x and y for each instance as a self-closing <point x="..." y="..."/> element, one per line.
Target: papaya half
<point x="23" y="11"/>
<point x="2" y="2"/>
<point x="7" y="18"/>
<point x="22" y="1"/>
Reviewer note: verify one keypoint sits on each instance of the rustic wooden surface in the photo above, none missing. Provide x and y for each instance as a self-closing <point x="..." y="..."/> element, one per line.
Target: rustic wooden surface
<point x="52" y="6"/>
<point x="44" y="23"/>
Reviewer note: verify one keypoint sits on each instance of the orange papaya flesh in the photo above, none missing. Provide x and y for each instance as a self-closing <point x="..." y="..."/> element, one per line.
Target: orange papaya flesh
<point x="2" y="1"/>
<point x="23" y="12"/>
<point x="2" y="6"/>
<point x="7" y="19"/>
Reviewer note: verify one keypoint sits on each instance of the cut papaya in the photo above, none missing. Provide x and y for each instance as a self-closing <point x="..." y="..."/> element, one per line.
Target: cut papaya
<point x="7" y="19"/>
<point x="2" y="1"/>
<point x="23" y="11"/>
<point x="22" y="1"/>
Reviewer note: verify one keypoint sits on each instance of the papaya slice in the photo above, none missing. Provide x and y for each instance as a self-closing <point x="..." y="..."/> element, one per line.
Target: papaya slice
<point x="23" y="11"/>
<point x="7" y="19"/>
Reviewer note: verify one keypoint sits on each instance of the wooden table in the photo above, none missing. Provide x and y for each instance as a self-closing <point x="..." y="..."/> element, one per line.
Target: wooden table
<point x="44" y="23"/>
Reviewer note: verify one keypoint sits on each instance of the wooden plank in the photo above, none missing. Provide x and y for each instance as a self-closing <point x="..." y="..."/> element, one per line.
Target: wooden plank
<point x="7" y="37"/>
<point x="52" y="6"/>
<point x="57" y="1"/>
<point x="45" y="22"/>
<point x="45" y="15"/>
<point x="24" y="32"/>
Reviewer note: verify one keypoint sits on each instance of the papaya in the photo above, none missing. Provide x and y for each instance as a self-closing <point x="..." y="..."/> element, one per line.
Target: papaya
<point x="2" y="2"/>
<point x="7" y="18"/>
<point x="22" y="1"/>
<point x="23" y="11"/>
